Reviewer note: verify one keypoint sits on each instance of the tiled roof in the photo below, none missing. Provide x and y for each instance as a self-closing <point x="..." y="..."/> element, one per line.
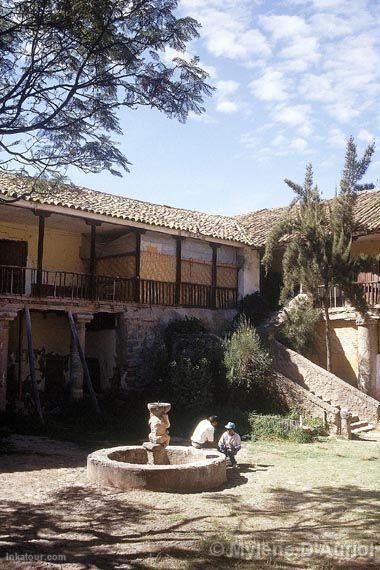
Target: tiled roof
<point x="121" y="207"/>
<point x="259" y="223"/>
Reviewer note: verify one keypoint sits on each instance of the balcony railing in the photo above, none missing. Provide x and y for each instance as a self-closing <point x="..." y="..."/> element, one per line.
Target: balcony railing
<point x="337" y="298"/>
<point x="55" y="284"/>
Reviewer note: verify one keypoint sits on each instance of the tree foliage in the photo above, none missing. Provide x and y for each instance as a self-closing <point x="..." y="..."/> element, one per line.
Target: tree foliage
<point x="246" y="360"/>
<point x="319" y="236"/>
<point x="68" y="66"/>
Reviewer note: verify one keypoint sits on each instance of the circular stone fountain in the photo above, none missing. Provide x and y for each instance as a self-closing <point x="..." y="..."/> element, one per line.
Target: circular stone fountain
<point x="155" y="465"/>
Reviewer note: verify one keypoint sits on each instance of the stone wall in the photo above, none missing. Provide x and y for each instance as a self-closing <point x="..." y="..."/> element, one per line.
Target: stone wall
<point x="293" y="395"/>
<point x="325" y="385"/>
<point x="138" y="327"/>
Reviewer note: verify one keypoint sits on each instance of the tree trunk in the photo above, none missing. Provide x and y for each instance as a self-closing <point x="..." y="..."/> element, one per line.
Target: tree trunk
<point x="327" y="332"/>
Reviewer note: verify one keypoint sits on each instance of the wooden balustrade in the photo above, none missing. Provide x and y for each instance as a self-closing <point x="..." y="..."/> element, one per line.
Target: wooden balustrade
<point x="56" y="284"/>
<point x="337" y="298"/>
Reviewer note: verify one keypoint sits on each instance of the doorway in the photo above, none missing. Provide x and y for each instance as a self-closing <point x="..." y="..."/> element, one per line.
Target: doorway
<point x="13" y="258"/>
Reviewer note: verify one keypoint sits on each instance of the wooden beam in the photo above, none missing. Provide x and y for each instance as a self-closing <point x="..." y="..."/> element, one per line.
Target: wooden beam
<point x="32" y="365"/>
<point x="86" y="373"/>
<point x="137" y="265"/>
<point x="178" y="269"/>
<point x="40" y="248"/>
<point x="214" y="273"/>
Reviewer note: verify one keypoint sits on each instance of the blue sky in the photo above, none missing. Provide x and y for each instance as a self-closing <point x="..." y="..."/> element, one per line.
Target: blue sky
<point x="293" y="78"/>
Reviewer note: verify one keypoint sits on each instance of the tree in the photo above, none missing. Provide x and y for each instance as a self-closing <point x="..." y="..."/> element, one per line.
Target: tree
<point x="318" y="238"/>
<point x="68" y="66"/>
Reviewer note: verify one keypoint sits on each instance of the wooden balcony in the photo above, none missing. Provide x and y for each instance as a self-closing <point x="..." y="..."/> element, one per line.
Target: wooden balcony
<point x="26" y="282"/>
<point x="337" y="298"/>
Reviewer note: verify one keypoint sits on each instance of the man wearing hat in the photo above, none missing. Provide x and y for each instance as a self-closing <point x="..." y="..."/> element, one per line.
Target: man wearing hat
<point x="230" y="442"/>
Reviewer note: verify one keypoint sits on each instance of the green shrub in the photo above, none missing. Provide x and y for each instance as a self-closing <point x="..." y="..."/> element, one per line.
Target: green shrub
<point x="182" y="327"/>
<point x="276" y="428"/>
<point x="247" y="362"/>
<point x="190" y="385"/>
<point x="255" y="308"/>
<point x="298" y="435"/>
<point x="299" y="327"/>
<point x="191" y="368"/>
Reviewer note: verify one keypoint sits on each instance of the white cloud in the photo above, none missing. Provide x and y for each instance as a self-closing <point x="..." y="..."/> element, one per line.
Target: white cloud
<point x="226" y="30"/>
<point x="336" y="137"/>
<point x="281" y="27"/>
<point x="366" y="136"/>
<point x="271" y="86"/>
<point x="298" y="144"/>
<point x="225" y="89"/>
<point x="296" y="115"/>
<point x="227" y="107"/>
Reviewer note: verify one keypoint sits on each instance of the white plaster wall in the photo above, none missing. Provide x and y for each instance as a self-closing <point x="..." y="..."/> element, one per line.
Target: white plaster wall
<point x="249" y="275"/>
<point x="196" y="249"/>
<point x="160" y="243"/>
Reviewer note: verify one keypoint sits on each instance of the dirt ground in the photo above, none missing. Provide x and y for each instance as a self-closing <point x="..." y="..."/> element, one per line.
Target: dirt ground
<point x="286" y="506"/>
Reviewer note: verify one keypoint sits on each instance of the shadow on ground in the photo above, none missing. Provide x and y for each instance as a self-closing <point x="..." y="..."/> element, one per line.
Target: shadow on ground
<point x="103" y="531"/>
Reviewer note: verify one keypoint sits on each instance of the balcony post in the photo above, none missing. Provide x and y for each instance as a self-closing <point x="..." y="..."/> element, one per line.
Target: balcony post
<point x="5" y="318"/>
<point x="178" y="269"/>
<point x="41" y="240"/>
<point x="214" y="274"/>
<point x="92" y="269"/>
<point x="76" y="369"/>
<point x="138" y="234"/>
<point x="367" y="355"/>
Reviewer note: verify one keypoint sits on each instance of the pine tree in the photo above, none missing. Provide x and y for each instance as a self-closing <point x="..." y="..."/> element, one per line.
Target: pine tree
<point x="318" y="238"/>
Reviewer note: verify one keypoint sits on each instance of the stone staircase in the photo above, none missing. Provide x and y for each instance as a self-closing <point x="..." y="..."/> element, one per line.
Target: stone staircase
<point x="360" y="426"/>
<point x="325" y="392"/>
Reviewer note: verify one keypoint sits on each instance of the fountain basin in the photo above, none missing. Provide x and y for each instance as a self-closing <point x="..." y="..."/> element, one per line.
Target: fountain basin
<point x="127" y="467"/>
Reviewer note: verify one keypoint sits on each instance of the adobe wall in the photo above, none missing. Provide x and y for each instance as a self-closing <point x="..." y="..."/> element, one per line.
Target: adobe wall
<point x="61" y="248"/>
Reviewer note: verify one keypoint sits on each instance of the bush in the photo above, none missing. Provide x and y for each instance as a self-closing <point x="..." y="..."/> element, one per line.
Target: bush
<point x="191" y="385"/>
<point x="182" y="327"/>
<point x="187" y="363"/>
<point x="298" y="330"/>
<point x="277" y="428"/>
<point x="255" y="308"/>
<point x="247" y="362"/>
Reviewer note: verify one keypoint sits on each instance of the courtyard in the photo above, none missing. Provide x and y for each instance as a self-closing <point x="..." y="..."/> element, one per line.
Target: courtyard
<point x="288" y="505"/>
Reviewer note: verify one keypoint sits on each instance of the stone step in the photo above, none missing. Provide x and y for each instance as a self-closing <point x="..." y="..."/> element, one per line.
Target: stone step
<point x="358" y="424"/>
<point x="368" y="427"/>
<point x="354" y="418"/>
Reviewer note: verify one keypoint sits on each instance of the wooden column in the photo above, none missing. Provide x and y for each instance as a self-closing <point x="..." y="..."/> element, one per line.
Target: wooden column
<point x="214" y="273"/>
<point x="138" y="234"/>
<point x="92" y="269"/>
<point x="5" y="318"/>
<point x="40" y="254"/>
<point x="178" y="269"/>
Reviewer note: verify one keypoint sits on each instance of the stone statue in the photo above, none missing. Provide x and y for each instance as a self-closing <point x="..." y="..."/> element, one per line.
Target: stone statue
<point x="159" y="423"/>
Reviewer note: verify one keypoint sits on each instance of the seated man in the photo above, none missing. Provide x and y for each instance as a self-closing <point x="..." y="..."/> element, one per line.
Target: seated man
<point x="230" y="442"/>
<point x="203" y="435"/>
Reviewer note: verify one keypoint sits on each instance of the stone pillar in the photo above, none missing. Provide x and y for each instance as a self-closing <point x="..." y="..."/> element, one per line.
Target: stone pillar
<point x="367" y="351"/>
<point x="5" y="318"/>
<point x="346" y="418"/>
<point x="76" y="370"/>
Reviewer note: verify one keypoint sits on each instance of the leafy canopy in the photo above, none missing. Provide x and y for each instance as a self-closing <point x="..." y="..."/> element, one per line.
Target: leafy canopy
<point x="68" y="66"/>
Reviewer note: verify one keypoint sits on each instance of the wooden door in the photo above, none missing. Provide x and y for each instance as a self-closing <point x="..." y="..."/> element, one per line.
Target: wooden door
<point x="13" y="255"/>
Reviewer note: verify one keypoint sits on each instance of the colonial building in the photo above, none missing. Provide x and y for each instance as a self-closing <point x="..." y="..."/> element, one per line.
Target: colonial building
<point x="120" y="266"/>
<point x="356" y="342"/>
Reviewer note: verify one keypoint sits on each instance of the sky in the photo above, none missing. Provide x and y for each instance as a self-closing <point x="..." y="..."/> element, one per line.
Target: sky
<point x="293" y="79"/>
